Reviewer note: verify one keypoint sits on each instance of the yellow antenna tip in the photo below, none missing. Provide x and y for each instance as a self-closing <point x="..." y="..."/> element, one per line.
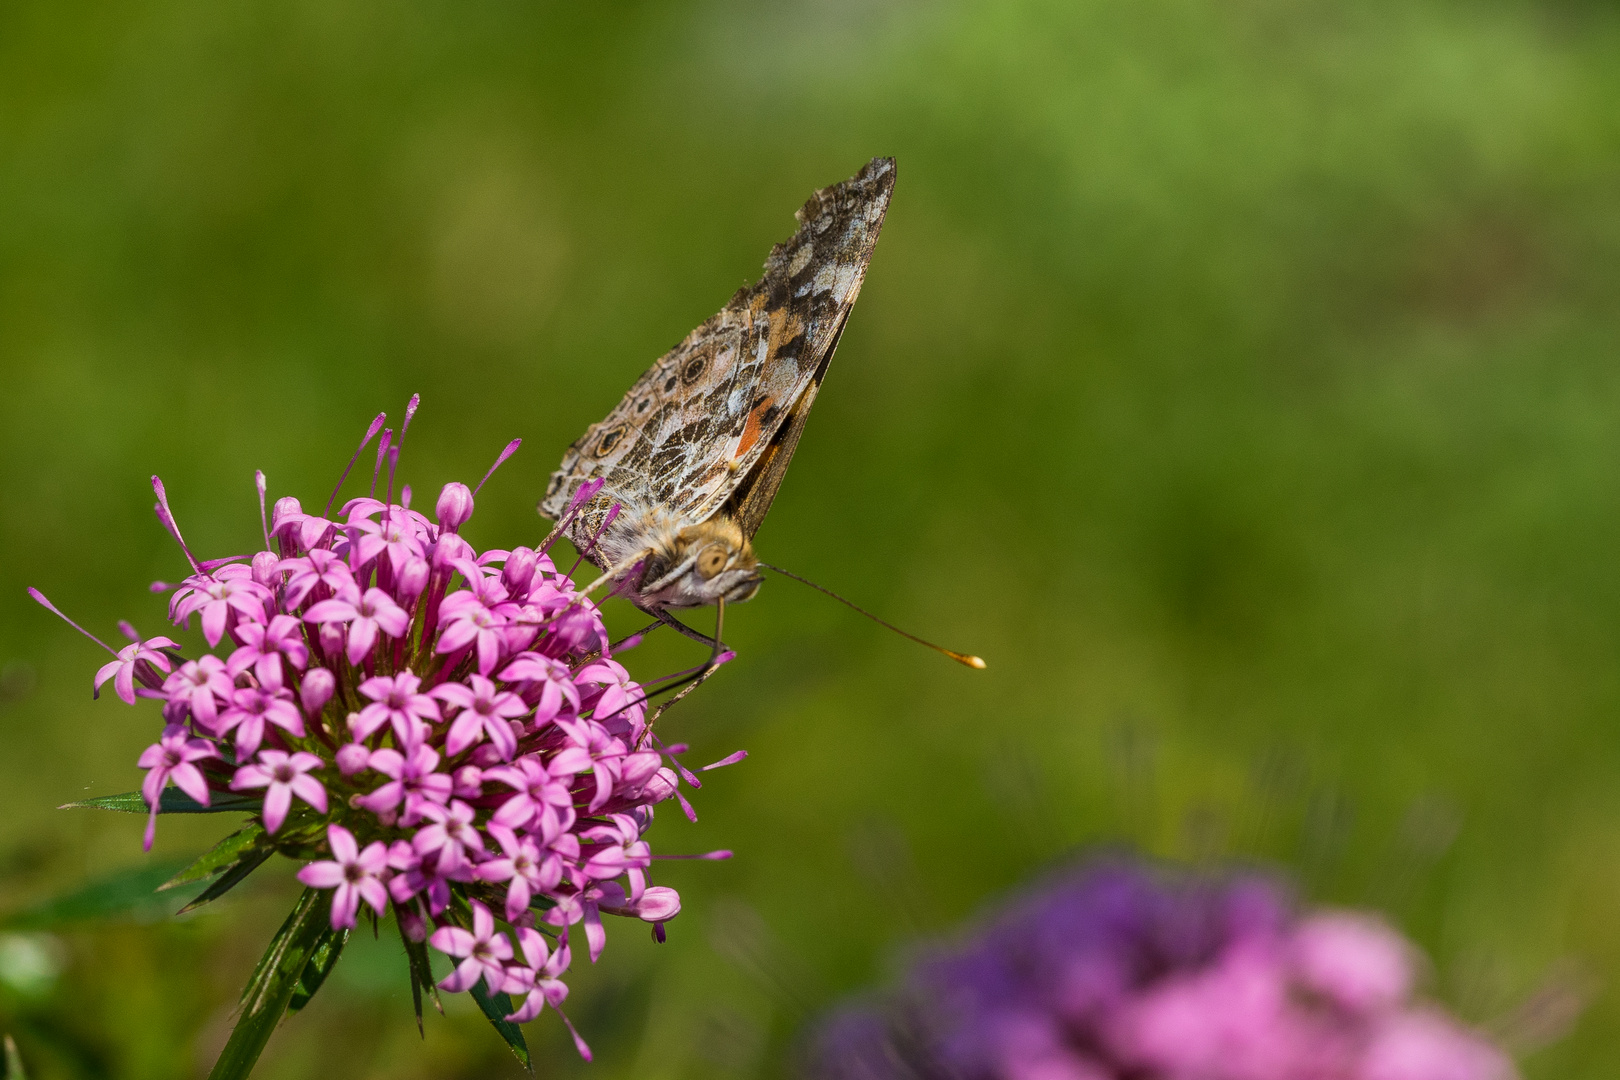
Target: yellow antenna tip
<point x="963" y="658"/>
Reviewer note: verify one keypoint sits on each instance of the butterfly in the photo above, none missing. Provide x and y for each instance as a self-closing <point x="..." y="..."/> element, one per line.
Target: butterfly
<point x="695" y="453"/>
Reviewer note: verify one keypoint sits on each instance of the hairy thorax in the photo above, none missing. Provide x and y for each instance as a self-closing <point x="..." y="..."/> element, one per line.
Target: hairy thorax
<point x="680" y="566"/>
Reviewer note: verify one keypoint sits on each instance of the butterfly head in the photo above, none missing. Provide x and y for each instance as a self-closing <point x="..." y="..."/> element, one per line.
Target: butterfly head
<point x="701" y="564"/>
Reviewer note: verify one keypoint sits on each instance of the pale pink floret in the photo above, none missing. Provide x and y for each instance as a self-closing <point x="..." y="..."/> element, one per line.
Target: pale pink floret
<point x="253" y="706"/>
<point x="228" y="590"/>
<point x="356" y="875"/>
<point x="538" y="976"/>
<point x="367" y="615"/>
<point x="622" y="698"/>
<point x="529" y="869"/>
<point x="542" y="803"/>
<point x="1355" y="960"/>
<point x="319" y="567"/>
<point x="171" y="758"/>
<point x="1425" y="1044"/>
<point x="412" y="780"/>
<point x="547" y="685"/>
<point x="284" y="775"/>
<point x="475" y="616"/>
<point x="264" y="647"/>
<point x="201" y="684"/>
<point x="484" y="951"/>
<point x="485" y="710"/>
<point x="451" y="834"/>
<point x="122" y="670"/>
<point x="395" y="700"/>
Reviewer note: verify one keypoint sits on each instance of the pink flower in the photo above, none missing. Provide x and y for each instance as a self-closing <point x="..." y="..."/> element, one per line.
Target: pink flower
<point x="396" y="536"/>
<point x="201" y="684"/>
<point x="265" y="646"/>
<point x="230" y="589"/>
<point x="529" y="869"/>
<point x="586" y="907"/>
<point x="170" y="758"/>
<point x="285" y="775"/>
<point x="1353" y="959"/>
<point x="621" y="852"/>
<point x="484" y="950"/>
<point x="250" y="708"/>
<point x="475" y="617"/>
<point x="356" y="875"/>
<point x="451" y="834"/>
<point x="122" y="670"/>
<point x="366" y="615"/>
<point x="411" y="779"/>
<point x="1427" y="1045"/>
<point x="484" y="710"/>
<point x="547" y="685"/>
<point x="395" y="700"/>
<point x="538" y="976"/>
<point x="319" y="567"/>
<point x="621" y="699"/>
<point x="542" y="803"/>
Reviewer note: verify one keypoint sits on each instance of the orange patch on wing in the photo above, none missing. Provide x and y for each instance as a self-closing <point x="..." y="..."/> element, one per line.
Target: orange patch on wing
<point x="753" y="428"/>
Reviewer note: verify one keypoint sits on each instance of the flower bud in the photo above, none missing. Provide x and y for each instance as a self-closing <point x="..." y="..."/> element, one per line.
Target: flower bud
<point x="286" y="508"/>
<point x="469" y="782"/>
<point x="316" y="691"/>
<point x="352" y="757"/>
<point x="518" y="572"/>
<point x="331" y="639"/>
<point x="411" y="923"/>
<point x="264" y="569"/>
<point x="636" y="769"/>
<point x="455" y="506"/>
<point x="661" y="786"/>
<point x="658" y="903"/>
<point x="412" y="580"/>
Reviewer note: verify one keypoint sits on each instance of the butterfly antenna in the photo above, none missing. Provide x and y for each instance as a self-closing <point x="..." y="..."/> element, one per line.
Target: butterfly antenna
<point x="961" y="658"/>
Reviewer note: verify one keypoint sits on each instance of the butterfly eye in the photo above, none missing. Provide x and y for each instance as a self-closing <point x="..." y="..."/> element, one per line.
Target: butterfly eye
<point x="711" y="562"/>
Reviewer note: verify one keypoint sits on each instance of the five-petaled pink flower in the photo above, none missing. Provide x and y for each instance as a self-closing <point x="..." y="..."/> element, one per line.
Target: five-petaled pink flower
<point x="484" y="710"/>
<point x="170" y="758"/>
<point x="285" y="775"/>
<point x="319" y="567"/>
<point x="485" y="953"/>
<point x="356" y="875"/>
<point x="249" y="709"/>
<point x="396" y="701"/>
<point x="538" y="976"/>
<point x="413" y="780"/>
<point x="265" y="646"/>
<point x="366" y="615"/>
<point x="201" y="684"/>
<point x="528" y="869"/>
<point x="122" y="670"/>
<point x="228" y="590"/>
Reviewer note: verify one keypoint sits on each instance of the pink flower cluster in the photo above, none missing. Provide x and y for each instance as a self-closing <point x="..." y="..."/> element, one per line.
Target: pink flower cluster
<point x="450" y="725"/>
<point x="1119" y="973"/>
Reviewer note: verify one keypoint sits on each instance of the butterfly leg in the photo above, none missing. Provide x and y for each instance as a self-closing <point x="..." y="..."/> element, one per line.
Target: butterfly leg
<point x="714" y="657"/>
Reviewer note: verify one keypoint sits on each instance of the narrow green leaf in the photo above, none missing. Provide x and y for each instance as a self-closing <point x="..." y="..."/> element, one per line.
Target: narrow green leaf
<point x="321" y="963"/>
<point x="222" y="856"/>
<point x="274" y="982"/>
<point x="14" y="1065"/>
<point x="416" y="955"/>
<point x="129" y="893"/>
<point x="230" y="879"/>
<point x="496" y="1008"/>
<point x="172" y="801"/>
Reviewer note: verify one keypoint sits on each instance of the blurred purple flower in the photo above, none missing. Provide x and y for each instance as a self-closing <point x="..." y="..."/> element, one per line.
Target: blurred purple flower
<point x="1121" y="973"/>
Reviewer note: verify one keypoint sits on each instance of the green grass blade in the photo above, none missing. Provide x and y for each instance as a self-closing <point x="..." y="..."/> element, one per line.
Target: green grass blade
<point x="129" y="893"/>
<point x="416" y="955"/>
<point x="496" y="1008"/>
<point x="172" y="801"/>
<point x="321" y="963"/>
<point x="274" y="982"/>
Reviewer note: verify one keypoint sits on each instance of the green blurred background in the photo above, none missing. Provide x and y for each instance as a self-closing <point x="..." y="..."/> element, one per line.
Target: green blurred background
<point x="1238" y="378"/>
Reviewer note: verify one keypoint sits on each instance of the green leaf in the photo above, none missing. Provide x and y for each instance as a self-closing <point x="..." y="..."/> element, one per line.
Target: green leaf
<point x="129" y="893"/>
<point x="274" y="982"/>
<point x="230" y="879"/>
<point x="416" y="955"/>
<point x="496" y="1008"/>
<point x="14" y="1065"/>
<point x="172" y="801"/>
<point x="222" y="856"/>
<point x="321" y="963"/>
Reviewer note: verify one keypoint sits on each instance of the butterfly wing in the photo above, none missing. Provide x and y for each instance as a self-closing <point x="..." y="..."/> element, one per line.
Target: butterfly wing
<point x="718" y="416"/>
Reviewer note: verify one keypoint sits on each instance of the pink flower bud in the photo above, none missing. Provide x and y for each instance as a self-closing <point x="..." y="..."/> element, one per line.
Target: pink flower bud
<point x="351" y="758"/>
<point x="518" y="572"/>
<point x="1354" y="959"/>
<point x="286" y="507"/>
<point x="331" y="638"/>
<point x="317" y="690"/>
<point x="264" y="569"/>
<point x="469" y="781"/>
<point x="661" y="786"/>
<point x="658" y="903"/>
<point x="411" y="923"/>
<point x="455" y="506"/>
<point x="412" y="580"/>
